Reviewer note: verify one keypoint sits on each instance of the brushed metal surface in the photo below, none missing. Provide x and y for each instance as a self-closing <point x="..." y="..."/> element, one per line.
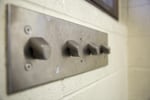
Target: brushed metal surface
<point x="25" y="72"/>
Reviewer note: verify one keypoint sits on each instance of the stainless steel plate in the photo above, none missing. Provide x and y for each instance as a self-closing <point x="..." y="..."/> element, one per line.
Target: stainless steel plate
<point x="25" y="72"/>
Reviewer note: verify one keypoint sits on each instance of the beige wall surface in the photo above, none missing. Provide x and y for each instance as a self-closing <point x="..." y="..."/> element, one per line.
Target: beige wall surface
<point x="106" y="83"/>
<point x="139" y="49"/>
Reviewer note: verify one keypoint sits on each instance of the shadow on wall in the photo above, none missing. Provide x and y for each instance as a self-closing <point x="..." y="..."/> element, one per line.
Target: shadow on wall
<point x="109" y="13"/>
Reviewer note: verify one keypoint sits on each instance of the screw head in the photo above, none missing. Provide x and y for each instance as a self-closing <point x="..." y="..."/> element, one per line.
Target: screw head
<point x="81" y="39"/>
<point x="28" y="29"/>
<point x="28" y="67"/>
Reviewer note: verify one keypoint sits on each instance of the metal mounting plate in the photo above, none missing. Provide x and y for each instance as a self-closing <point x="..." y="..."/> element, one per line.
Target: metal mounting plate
<point x="23" y="72"/>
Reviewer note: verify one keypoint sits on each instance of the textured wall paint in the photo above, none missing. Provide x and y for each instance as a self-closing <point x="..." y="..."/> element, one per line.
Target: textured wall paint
<point x="139" y="49"/>
<point x="106" y="83"/>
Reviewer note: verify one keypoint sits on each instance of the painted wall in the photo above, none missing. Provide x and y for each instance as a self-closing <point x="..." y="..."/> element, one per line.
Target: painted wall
<point x="139" y="49"/>
<point x="106" y="83"/>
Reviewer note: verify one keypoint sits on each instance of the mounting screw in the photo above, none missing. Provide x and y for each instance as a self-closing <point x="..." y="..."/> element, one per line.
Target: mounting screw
<point x="28" y="29"/>
<point x="81" y="39"/>
<point x="28" y="67"/>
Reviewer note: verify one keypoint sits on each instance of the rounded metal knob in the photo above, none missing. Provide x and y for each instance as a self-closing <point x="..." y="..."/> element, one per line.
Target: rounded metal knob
<point x="91" y="49"/>
<point x="104" y="49"/>
<point x="39" y="48"/>
<point x="72" y="48"/>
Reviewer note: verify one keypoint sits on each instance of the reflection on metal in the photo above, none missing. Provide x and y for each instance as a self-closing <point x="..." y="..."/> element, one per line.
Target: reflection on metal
<point x="37" y="45"/>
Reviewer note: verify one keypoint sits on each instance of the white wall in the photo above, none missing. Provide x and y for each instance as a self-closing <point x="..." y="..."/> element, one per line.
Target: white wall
<point x="106" y="83"/>
<point x="139" y="49"/>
